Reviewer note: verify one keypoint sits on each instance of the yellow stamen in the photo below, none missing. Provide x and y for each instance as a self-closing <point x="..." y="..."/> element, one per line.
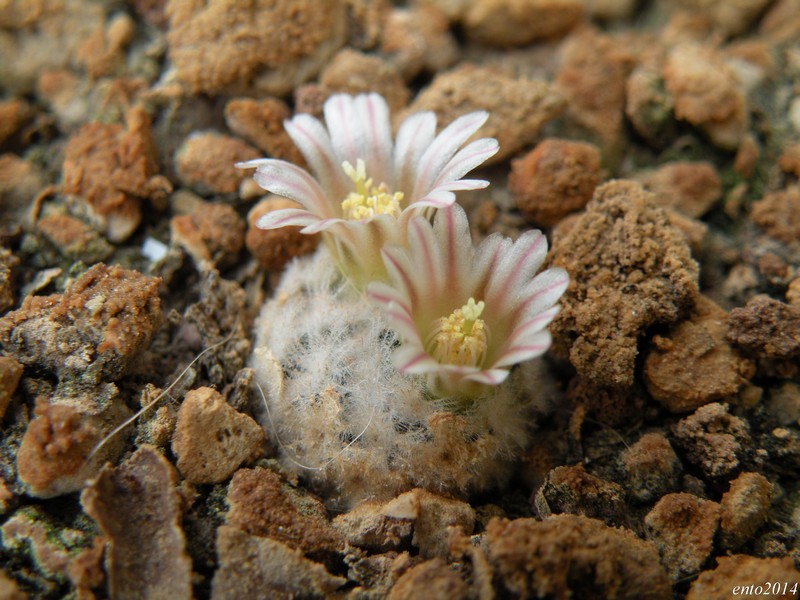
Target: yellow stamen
<point x="368" y="200"/>
<point x="462" y="338"/>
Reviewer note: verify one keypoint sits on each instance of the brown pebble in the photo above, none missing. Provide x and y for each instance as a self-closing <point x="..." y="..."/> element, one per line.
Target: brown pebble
<point x="651" y="466"/>
<point x="273" y="248"/>
<point x="10" y="374"/>
<point x="556" y="178"/>
<point x="506" y="23"/>
<point x="213" y="234"/>
<point x="778" y="214"/>
<point x="212" y="439"/>
<point x="746" y="578"/>
<point x="572" y="490"/>
<point x="691" y="188"/>
<point x="745" y="507"/>
<point x="431" y="579"/>
<point x="206" y="162"/>
<point x="683" y="528"/>
<point x="766" y="327"/>
<point x="354" y="72"/>
<point x="261" y="123"/>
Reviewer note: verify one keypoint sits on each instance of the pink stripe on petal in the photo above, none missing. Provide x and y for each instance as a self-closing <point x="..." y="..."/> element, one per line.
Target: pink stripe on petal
<point x="414" y="364"/>
<point x="466" y="159"/>
<point x="413" y="138"/>
<point x="285" y="217"/>
<point x="461" y="185"/>
<point x="437" y="199"/>
<point x="379" y="136"/>
<point x="313" y="141"/>
<point x="393" y="259"/>
<point x="288" y="180"/>
<point x="489" y="377"/>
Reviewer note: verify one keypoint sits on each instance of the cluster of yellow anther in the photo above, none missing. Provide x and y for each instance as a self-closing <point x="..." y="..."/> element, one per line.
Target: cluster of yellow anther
<point x="462" y="338"/>
<point x="368" y="200"/>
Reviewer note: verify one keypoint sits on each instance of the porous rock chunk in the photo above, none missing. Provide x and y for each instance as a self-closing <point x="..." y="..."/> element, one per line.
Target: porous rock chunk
<point x="706" y="93"/>
<point x="388" y="525"/>
<point x="572" y="490"/>
<point x="259" y="567"/>
<point x="778" y="214"/>
<point x="715" y="441"/>
<point x="14" y="112"/>
<point x="683" y="528"/>
<point x="573" y="556"/>
<point x="74" y="239"/>
<point x="747" y="573"/>
<point x="629" y="269"/>
<point x="212" y="234"/>
<point x="693" y="364"/>
<point x="430" y="579"/>
<point x="8" y="265"/>
<point x="206" y="162"/>
<point x="353" y="72"/>
<point x="691" y="188"/>
<point x="20" y="181"/>
<point x="556" y="178"/>
<point x="652" y="467"/>
<point x="260" y="122"/>
<point x="745" y="507"/>
<point x="730" y="18"/>
<point x="138" y="508"/>
<point x="519" y="22"/>
<point x="212" y="439"/>
<point x="273" y="248"/>
<point x="92" y="332"/>
<point x="113" y="168"/>
<point x="518" y="108"/>
<point x="418" y="39"/>
<point x="263" y="47"/>
<point x="262" y="505"/>
<point x="10" y="374"/>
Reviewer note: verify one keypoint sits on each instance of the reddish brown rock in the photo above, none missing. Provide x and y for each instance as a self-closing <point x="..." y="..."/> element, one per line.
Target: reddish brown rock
<point x="260" y="122"/>
<point x="113" y="168"/>
<point x="103" y="52"/>
<point x="572" y="556"/>
<point x="20" y="182"/>
<point x="431" y="579"/>
<point x="273" y="248"/>
<point x="261" y="47"/>
<point x="354" y="72"/>
<point x="261" y="505"/>
<point x="746" y="577"/>
<point x="94" y="331"/>
<point x="556" y="178"/>
<point x="517" y="108"/>
<point x="651" y="466"/>
<point x="10" y="374"/>
<point x="418" y="39"/>
<point x="13" y="115"/>
<point x="519" y="22"/>
<point x="212" y="439"/>
<point x="683" y="528"/>
<point x="691" y="188"/>
<point x="206" y="162"/>
<point x="213" y="234"/>
<point x="629" y="269"/>
<point x="74" y="239"/>
<point x="693" y="364"/>
<point x="778" y="214"/>
<point x="745" y="508"/>
<point x="766" y="328"/>
<point x="138" y="509"/>
<point x="715" y="441"/>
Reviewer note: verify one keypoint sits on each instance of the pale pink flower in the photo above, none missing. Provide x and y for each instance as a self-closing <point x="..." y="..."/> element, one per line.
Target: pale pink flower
<point x="467" y="314"/>
<point x="365" y="186"/>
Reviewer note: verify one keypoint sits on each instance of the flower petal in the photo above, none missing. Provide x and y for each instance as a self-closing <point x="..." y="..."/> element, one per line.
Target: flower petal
<point x="413" y="138"/>
<point x="313" y="141"/>
<point x="285" y="217"/>
<point x="530" y="347"/>
<point x="413" y="360"/>
<point x="443" y="147"/>
<point x="545" y="290"/>
<point x="377" y="152"/>
<point x="489" y="376"/>
<point x="285" y="179"/>
<point x="466" y="159"/>
<point x="514" y="270"/>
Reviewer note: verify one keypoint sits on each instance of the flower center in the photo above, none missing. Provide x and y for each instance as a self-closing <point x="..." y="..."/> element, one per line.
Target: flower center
<point x="462" y="338"/>
<point x="368" y="199"/>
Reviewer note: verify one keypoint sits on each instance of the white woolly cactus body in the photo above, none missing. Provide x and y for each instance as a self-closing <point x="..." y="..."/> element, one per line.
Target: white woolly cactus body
<point x="387" y="358"/>
<point x="355" y="426"/>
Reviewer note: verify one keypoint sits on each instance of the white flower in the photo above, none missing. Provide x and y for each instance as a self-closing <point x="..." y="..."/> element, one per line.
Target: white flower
<point x="467" y="314"/>
<point x="366" y="187"/>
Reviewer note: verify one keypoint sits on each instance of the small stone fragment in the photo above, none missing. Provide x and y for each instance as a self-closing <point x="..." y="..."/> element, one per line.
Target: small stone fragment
<point x="74" y="239"/>
<point x="212" y="439"/>
<point x="518" y="108"/>
<point x="139" y="510"/>
<point x="206" y="162"/>
<point x="103" y="52"/>
<point x="715" y="441"/>
<point x="20" y="182"/>
<point x="693" y="364"/>
<point x="10" y="374"/>
<point x="506" y="23"/>
<point x="434" y="515"/>
<point x="260" y="122"/>
<point x="778" y="214"/>
<point x="683" y="528"/>
<point x="784" y="404"/>
<point x="629" y="269"/>
<point x="9" y="589"/>
<point x="691" y="188"/>
<point x="574" y="491"/>
<point x="648" y="106"/>
<point x="261" y="505"/>
<point x="93" y="331"/>
<point x="213" y="234"/>
<point x="256" y="567"/>
<point x="113" y="168"/>
<point x="261" y="47"/>
<point x="706" y="93"/>
<point x="729" y="18"/>
<point x="592" y="77"/>
<point x="13" y="115"/>
<point x="573" y="556"/>
<point x="745" y="508"/>
<point x="556" y="178"/>
<point x="418" y="39"/>
<point x="651" y="466"/>
<point x="8" y="265"/>
<point x="431" y="579"/>
<point x="273" y="248"/>
<point x="745" y="577"/>
<point x="353" y="72"/>
<point x="766" y="328"/>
